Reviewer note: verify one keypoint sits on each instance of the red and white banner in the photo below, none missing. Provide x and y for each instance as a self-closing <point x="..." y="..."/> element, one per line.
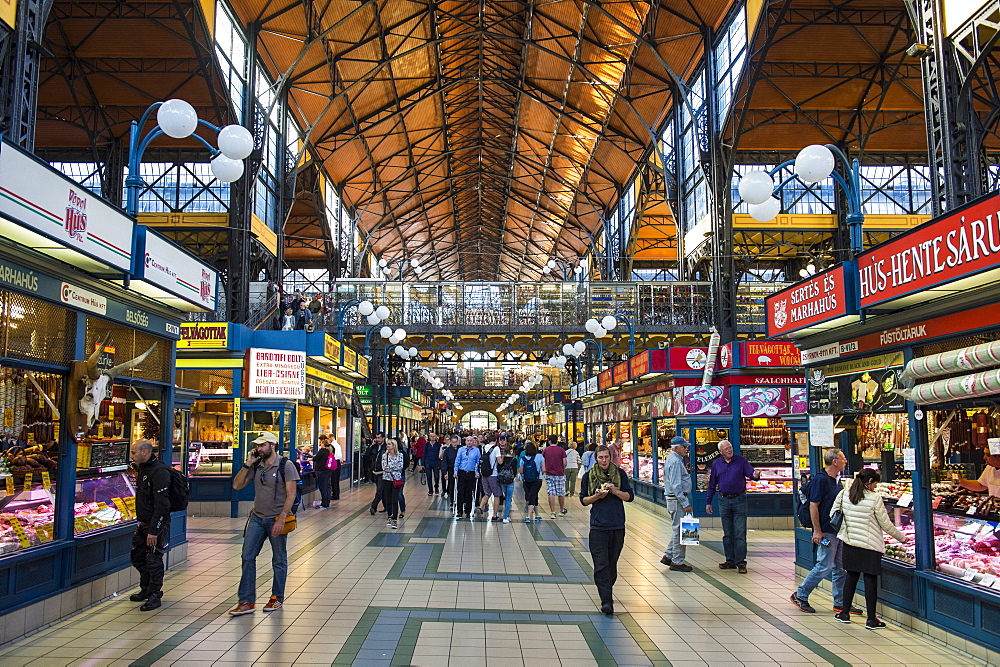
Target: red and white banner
<point x="813" y="301"/>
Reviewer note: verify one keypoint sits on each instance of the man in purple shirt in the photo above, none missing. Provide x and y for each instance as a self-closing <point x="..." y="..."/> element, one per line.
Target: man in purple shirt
<point x="730" y="473"/>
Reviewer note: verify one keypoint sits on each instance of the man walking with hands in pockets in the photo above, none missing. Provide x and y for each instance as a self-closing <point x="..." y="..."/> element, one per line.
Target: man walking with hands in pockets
<point x="677" y="487"/>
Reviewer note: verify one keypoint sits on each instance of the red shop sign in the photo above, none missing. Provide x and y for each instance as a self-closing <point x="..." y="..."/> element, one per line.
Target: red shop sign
<point x="958" y="245"/>
<point x="821" y="298"/>
<point x="604" y="380"/>
<point x="771" y="353"/>
<point x="639" y="364"/>
<point x="688" y="358"/>
<point x="620" y="373"/>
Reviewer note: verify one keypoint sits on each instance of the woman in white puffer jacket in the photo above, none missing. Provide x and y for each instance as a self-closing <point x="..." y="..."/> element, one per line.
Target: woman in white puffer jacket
<point x="865" y="518"/>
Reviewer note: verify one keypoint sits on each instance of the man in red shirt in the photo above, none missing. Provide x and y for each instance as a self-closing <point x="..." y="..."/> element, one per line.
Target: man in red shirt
<point x="555" y="477"/>
<point x="418" y="451"/>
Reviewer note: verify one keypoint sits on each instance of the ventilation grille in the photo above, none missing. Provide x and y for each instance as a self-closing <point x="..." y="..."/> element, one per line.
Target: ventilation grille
<point x="119" y="546"/>
<point x="991" y="619"/>
<point x="89" y="555"/>
<point x="36" y="573"/>
<point x="954" y="605"/>
<point x="896" y="584"/>
<point x="128" y="345"/>
<point x="36" y="330"/>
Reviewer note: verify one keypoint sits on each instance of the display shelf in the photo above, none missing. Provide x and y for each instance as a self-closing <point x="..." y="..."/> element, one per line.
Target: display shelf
<point x="776" y="479"/>
<point x="103" y="501"/>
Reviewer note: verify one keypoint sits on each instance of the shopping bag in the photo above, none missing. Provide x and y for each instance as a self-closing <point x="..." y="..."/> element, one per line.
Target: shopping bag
<point x="690" y="530"/>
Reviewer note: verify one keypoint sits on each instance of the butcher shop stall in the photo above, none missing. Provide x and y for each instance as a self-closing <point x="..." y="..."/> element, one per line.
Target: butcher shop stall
<point x="90" y="308"/>
<point x="903" y="374"/>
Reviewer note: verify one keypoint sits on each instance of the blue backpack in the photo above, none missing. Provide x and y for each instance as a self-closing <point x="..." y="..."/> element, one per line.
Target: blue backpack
<point x="530" y="469"/>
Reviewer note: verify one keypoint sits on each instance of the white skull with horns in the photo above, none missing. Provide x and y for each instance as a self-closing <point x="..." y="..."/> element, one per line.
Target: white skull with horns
<point x="92" y="383"/>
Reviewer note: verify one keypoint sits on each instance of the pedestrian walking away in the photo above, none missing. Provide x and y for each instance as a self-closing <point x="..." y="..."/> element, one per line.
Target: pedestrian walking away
<point x="324" y="476"/>
<point x="606" y="490"/>
<point x="274" y="479"/>
<point x="506" y="474"/>
<point x="821" y="491"/>
<point x="865" y="519"/>
<point x="492" y="457"/>
<point x="555" y="477"/>
<point x="677" y="488"/>
<point x="531" y="468"/>
<point x="151" y="538"/>
<point x="729" y="476"/>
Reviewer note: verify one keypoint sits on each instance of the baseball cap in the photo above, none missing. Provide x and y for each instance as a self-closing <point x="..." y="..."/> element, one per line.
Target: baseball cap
<point x="265" y="437"/>
<point x="679" y="441"/>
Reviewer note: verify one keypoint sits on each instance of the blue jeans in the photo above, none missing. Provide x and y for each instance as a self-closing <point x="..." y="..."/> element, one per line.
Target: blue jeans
<point x="733" y="512"/>
<point x="508" y="498"/>
<point x="829" y="560"/>
<point x="258" y="530"/>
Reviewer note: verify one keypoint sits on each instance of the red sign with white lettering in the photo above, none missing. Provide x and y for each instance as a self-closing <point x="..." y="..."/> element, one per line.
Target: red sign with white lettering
<point x="604" y="380"/>
<point x="961" y="244"/>
<point x="620" y="375"/>
<point x="771" y="353"/>
<point x="817" y="299"/>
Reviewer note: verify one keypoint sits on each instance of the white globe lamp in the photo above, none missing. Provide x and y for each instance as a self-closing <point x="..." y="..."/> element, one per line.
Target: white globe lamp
<point x="225" y="169"/>
<point x="235" y="142"/>
<point x="609" y="322"/>
<point x="756" y="186"/>
<point x="177" y="119"/>
<point x="767" y="211"/>
<point x="366" y="308"/>
<point x="814" y="163"/>
<point x="382" y="312"/>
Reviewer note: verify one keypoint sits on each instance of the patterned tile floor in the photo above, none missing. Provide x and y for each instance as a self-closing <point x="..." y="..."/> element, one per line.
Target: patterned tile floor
<point x="439" y="592"/>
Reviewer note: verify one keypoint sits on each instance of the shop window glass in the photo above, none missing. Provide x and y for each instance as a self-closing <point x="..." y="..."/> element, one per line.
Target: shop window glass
<point x="644" y="451"/>
<point x="180" y="428"/>
<point x="766" y="443"/>
<point x="666" y="429"/>
<point x="706" y="450"/>
<point x="211" y="448"/>
<point x="129" y="344"/>
<point x="102" y="501"/>
<point x="210" y="383"/>
<point x="28" y="457"/>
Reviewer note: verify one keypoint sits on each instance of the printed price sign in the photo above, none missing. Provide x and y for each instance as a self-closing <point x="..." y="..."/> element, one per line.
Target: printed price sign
<point x="111" y="412"/>
<point x="905" y="500"/>
<point x="936" y="502"/>
<point x="46" y="480"/>
<point x="28" y="480"/>
<point x="988" y="580"/>
<point x="19" y="531"/>
<point x="972" y="511"/>
<point x="44" y="532"/>
<point x="10" y="486"/>
<point x="80" y="524"/>
<point x="31" y="438"/>
<point x="996" y="584"/>
<point x="122" y="507"/>
<point x="994" y="444"/>
<point x="909" y="459"/>
<point x="130" y="504"/>
<point x="970" y="574"/>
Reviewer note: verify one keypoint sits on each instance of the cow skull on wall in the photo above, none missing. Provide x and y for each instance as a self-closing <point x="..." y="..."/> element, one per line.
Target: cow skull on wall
<point x="89" y="385"/>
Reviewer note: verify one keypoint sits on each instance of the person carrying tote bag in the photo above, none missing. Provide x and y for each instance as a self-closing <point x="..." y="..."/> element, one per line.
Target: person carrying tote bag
<point x="865" y="519"/>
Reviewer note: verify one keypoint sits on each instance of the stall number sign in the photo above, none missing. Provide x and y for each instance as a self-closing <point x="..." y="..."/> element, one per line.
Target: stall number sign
<point x="275" y="374"/>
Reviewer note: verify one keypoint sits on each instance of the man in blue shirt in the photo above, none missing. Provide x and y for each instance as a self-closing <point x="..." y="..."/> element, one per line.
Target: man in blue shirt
<point x="466" y="473"/>
<point x="823" y="490"/>
<point x="729" y="476"/>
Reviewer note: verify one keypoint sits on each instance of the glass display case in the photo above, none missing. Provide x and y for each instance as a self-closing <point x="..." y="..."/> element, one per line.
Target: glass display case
<point x="211" y="448"/>
<point x="706" y="449"/>
<point x="26" y="516"/>
<point x="644" y="451"/>
<point x="967" y="548"/>
<point x="666" y="429"/>
<point x="773" y="479"/>
<point x="102" y="501"/>
<point x="628" y="451"/>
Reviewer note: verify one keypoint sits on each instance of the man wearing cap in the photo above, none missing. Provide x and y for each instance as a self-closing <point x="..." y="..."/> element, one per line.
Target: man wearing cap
<point x="677" y="487"/>
<point x="274" y="495"/>
<point x="729" y="476"/>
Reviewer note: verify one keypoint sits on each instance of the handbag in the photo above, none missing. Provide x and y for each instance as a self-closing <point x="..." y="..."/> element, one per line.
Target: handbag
<point x="397" y="483"/>
<point x="837" y="520"/>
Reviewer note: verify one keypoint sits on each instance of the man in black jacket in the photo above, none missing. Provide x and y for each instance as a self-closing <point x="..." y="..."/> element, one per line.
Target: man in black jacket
<point x="152" y="534"/>
<point x="377" y="449"/>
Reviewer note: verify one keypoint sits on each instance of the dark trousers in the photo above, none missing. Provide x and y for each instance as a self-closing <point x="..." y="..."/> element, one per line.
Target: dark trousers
<point x="448" y="484"/>
<point x="733" y="512"/>
<point x="378" y="494"/>
<point x="149" y="560"/>
<point x="605" y="548"/>
<point x="323" y="478"/>
<point x="433" y="479"/>
<point x="466" y="487"/>
<point x="335" y="483"/>
<point x="871" y="592"/>
<point x="390" y="496"/>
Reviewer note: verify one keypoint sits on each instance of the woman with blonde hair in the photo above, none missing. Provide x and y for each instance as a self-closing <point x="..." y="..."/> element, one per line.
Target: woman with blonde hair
<point x="392" y="480"/>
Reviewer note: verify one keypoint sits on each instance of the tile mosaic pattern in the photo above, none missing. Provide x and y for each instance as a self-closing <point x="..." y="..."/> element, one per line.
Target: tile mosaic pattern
<point x="439" y="592"/>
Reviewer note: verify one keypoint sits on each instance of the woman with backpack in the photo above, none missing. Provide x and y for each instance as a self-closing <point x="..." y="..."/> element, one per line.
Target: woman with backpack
<point x="506" y="473"/>
<point x="864" y="520"/>
<point x="531" y="467"/>
<point x="392" y="480"/>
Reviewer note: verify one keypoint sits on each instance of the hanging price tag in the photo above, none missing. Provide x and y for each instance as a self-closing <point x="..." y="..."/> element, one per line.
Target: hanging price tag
<point x="130" y="504"/>
<point x="31" y="438"/>
<point x="996" y="584"/>
<point x="10" y="486"/>
<point x="46" y="480"/>
<point x="19" y="531"/>
<point x="122" y="507"/>
<point x="101" y="506"/>
<point x="936" y="502"/>
<point x="111" y="412"/>
<point x="8" y="417"/>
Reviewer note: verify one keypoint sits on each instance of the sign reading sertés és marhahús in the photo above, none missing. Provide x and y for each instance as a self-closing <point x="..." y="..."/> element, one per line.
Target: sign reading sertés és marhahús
<point x="818" y="299"/>
<point x="275" y="374"/>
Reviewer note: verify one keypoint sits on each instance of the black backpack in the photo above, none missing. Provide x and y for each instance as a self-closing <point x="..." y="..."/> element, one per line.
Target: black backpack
<point x="485" y="467"/>
<point x="804" y="515"/>
<point x="507" y="470"/>
<point x="179" y="490"/>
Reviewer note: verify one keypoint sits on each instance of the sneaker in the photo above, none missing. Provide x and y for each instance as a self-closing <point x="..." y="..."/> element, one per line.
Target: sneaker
<point x="843" y="617"/>
<point x="666" y="561"/>
<point x="388" y="523"/>
<point x="538" y="518"/>
<point x="802" y="604"/>
<point x="564" y="511"/>
<point x="242" y="608"/>
<point x="855" y="611"/>
<point x="553" y="515"/>
<point x="458" y="517"/>
<point x="681" y="567"/>
<point x="139" y="596"/>
<point x="742" y="569"/>
<point x="272" y="604"/>
<point x="395" y="525"/>
<point x="506" y="520"/>
<point x="874" y="624"/>
<point x="527" y="520"/>
<point x="495" y="519"/>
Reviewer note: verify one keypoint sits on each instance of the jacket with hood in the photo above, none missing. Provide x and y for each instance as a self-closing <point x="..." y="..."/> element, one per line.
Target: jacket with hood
<point x="152" y="495"/>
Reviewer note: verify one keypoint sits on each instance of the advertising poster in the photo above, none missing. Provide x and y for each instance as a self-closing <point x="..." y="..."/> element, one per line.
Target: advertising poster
<point x="763" y="401"/>
<point x="702" y="401"/>
<point x="857" y="386"/>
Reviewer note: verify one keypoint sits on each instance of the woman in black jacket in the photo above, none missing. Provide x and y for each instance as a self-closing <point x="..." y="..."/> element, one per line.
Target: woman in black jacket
<point x="606" y="489"/>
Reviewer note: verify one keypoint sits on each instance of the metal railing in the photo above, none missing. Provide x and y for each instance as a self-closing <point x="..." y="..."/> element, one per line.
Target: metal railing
<point x="526" y="305"/>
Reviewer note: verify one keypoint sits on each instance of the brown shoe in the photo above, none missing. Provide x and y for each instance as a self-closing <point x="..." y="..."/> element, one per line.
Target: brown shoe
<point x="272" y="604"/>
<point x="242" y="608"/>
<point x="742" y="569"/>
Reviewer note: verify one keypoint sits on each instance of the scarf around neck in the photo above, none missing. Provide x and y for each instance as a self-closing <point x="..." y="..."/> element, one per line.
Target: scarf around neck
<point x="599" y="478"/>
